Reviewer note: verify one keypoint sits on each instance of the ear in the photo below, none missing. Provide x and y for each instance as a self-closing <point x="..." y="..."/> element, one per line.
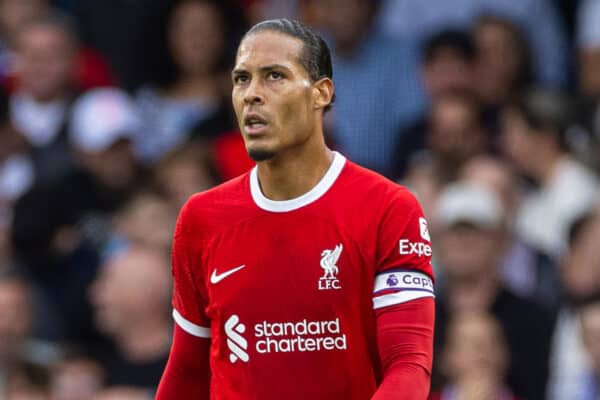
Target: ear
<point x="322" y="93"/>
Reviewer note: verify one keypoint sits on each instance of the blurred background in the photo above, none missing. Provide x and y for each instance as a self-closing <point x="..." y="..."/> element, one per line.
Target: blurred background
<point x="112" y="113"/>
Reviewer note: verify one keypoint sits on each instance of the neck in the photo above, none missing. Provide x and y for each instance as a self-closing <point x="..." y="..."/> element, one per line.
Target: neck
<point x="472" y="294"/>
<point x="290" y="175"/>
<point x="147" y="341"/>
<point x="547" y="166"/>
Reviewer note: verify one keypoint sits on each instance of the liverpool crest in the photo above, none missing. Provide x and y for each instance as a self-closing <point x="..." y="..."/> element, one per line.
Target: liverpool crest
<point x="329" y="259"/>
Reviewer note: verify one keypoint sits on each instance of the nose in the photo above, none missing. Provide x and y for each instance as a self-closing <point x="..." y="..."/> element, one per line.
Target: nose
<point x="253" y="95"/>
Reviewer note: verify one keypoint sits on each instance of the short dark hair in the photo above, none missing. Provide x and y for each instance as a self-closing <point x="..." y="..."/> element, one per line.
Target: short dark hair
<point x="545" y="110"/>
<point x="459" y="41"/>
<point x="315" y="57"/>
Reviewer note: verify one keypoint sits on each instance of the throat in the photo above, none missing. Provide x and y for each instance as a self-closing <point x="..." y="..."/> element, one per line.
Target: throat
<point x="281" y="180"/>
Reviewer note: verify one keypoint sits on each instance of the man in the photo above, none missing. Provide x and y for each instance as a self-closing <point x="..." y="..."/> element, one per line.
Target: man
<point x="376" y="80"/>
<point x="308" y="277"/>
<point x="472" y="237"/>
<point x="130" y="295"/>
<point x="535" y="139"/>
<point x="447" y="65"/>
<point x="46" y="54"/>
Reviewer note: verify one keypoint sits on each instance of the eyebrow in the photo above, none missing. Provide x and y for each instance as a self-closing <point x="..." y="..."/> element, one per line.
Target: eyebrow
<point x="266" y="68"/>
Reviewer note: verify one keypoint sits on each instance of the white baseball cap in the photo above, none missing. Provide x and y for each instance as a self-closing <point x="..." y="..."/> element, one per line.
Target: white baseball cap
<point x="101" y="117"/>
<point x="469" y="203"/>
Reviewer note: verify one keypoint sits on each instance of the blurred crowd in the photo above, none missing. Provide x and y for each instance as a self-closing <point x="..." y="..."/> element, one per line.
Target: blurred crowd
<point x="112" y="113"/>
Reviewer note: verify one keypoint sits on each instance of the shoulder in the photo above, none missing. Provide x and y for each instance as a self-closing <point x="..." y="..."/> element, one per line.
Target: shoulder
<point x="218" y="202"/>
<point x="369" y="187"/>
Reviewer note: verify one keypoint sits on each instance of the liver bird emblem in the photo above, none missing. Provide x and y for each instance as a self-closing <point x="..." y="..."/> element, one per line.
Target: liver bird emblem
<point x="329" y="260"/>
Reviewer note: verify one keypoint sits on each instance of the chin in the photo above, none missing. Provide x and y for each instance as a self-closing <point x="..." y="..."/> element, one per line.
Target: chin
<point x="261" y="154"/>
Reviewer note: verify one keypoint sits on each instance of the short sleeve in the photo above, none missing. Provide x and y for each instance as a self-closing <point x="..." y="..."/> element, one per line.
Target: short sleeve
<point x="188" y="301"/>
<point x="403" y="269"/>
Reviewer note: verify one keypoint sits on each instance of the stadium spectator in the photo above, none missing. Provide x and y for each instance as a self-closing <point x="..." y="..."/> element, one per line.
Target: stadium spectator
<point x="377" y="87"/>
<point x="186" y="171"/>
<point x="537" y="18"/>
<point x="48" y="244"/>
<point x="503" y="60"/>
<point x="60" y="228"/>
<point x="447" y="64"/>
<point x="474" y="359"/>
<point x="46" y="52"/>
<point x="519" y="267"/>
<point x="91" y="71"/>
<point x="471" y="240"/>
<point x="146" y="220"/>
<point x="455" y="134"/>
<point x="131" y="295"/>
<point x="17" y="313"/>
<point x="192" y="88"/>
<point x="103" y="128"/>
<point x="14" y="14"/>
<point x="534" y="132"/>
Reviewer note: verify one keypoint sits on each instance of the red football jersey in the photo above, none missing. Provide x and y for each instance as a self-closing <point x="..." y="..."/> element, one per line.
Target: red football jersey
<point x="286" y="290"/>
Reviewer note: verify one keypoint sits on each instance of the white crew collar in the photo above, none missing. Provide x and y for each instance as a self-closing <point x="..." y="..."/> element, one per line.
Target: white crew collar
<point x="293" y="204"/>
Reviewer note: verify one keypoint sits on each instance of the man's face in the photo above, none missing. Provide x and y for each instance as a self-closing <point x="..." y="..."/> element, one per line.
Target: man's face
<point x="475" y="347"/>
<point x="467" y="251"/>
<point x="519" y="143"/>
<point x="455" y="132"/>
<point x="114" y="167"/>
<point x="196" y="37"/>
<point x="46" y="62"/>
<point x="273" y="95"/>
<point x="448" y="70"/>
<point x="130" y="287"/>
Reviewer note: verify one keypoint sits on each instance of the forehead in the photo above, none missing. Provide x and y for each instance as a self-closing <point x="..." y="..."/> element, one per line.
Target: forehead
<point x="268" y="48"/>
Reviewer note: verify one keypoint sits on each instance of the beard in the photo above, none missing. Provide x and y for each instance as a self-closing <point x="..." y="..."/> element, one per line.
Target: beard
<point x="261" y="155"/>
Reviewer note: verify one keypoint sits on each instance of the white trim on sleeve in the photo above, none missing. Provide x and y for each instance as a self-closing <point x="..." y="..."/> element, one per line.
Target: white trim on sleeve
<point x="190" y="327"/>
<point x="398" y="298"/>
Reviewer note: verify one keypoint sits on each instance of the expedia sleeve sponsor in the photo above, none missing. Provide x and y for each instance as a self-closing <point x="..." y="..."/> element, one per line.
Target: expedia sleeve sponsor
<point x="395" y="287"/>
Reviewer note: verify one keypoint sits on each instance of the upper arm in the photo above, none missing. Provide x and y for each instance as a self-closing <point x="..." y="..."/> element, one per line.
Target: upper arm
<point x="403" y="269"/>
<point x="189" y="300"/>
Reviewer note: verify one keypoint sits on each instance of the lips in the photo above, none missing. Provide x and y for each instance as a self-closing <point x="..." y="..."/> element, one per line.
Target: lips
<point x="254" y="124"/>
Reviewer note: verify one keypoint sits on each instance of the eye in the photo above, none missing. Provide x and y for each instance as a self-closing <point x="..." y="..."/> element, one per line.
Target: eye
<point x="238" y="79"/>
<point x="274" y="75"/>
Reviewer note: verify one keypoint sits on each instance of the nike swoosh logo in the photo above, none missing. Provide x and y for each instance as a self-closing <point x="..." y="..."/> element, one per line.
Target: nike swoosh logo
<point x="216" y="278"/>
